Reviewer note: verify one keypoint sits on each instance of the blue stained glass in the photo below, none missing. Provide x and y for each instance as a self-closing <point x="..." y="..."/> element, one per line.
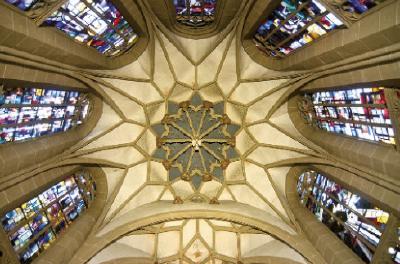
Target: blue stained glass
<point x="38" y="223"/>
<point x="20" y="237"/>
<point x="45" y="240"/>
<point x="12" y="218"/>
<point x="24" y="5"/>
<point x="8" y="116"/>
<point x="29" y="253"/>
<point x="23" y="133"/>
<point x="359" y="6"/>
<point x="98" y="24"/>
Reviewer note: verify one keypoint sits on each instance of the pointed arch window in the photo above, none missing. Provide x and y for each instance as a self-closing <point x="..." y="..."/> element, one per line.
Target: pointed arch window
<point x="195" y="13"/>
<point x="34" y="225"/>
<point x="365" y="113"/>
<point x="355" y="220"/>
<point x="95" y="23"/>
<point x="27" y="113"/>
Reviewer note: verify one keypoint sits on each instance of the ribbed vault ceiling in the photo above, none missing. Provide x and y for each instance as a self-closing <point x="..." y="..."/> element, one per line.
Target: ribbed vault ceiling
<point x="123" y="143"/>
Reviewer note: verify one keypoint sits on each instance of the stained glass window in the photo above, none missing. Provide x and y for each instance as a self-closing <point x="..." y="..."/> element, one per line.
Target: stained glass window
<point x="355" y="220"/>
<point x="25" y="5"/>
<point x="27" y="113"/>
<point x="360" y="112"/>
<point x="96" y="23"/>
<point x="353" y="9"/>
<point x="292" y="25"/>
<point x="35" y="225"/>
<point x="195" y="13"/>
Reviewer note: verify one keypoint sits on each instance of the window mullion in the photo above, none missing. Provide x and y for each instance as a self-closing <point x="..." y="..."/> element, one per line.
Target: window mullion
<point x="351" y="105"/>
<point x="346" y="226"/>
<point x="84" y="26"/>
<point x="299" y="8"/>
<point x="366" y="220"/>
<point x="388" y="236"/>
<point x="331" y="6"/>
<point x="393" y="103"/>
<point x="353" y="122"/>
<point x="316" y="19"/>
<point x="188" y="8"/>
<point x="88" y="5"/>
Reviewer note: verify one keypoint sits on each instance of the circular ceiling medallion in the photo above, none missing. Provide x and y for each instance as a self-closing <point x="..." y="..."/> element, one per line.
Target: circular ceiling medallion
<point x="196" y="141"/>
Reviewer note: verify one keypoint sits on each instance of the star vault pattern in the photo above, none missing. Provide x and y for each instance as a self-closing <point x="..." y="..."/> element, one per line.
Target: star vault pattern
<point x="196" y="141"/>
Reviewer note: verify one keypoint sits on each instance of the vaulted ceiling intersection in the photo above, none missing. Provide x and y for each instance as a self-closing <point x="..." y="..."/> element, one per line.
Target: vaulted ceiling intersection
<point x="196" y="141"/>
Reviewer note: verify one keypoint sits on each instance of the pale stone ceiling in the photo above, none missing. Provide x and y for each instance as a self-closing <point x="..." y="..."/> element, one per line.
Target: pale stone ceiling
<point x="123" y="142"/>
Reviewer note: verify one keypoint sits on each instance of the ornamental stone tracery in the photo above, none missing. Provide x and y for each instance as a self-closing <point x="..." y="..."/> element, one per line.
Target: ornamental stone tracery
<point x="196" y="141"/>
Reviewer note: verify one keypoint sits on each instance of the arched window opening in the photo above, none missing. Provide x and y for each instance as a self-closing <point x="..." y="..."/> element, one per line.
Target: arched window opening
<point x="27" y="113"/>
<point x="195" y="13"/>
<point x="34" y="225"/>
<point x="294" y="24"/>
<point x="356" y="221"/>
<point x="95" y="23"/>
<point x="365" y="113"/>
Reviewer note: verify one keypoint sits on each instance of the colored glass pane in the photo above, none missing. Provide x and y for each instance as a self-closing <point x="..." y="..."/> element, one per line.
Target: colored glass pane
<point x="294" y="24"/>
<point x="25" y="5"/>
<point x="20" y="237"/>
<point x="357" y="7"/>
<point x="27" y="113"/>
<point x="354" y="219"/>
<point x="12" y="218"/>
<point x="98" y="24"/>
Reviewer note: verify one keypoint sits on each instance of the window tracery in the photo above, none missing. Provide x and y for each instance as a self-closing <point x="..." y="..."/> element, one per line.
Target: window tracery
<point x="195" y="13"/>
<point x="361" y="112"/>
<point x="356" y="221"/>
<point x="95" y="23"/>
<point x="34" y="225"/>
<point x="27" y="113"/>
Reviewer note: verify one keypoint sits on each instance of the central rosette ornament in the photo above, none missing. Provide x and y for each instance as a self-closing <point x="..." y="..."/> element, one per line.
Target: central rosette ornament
<point x="196" y="141"/>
